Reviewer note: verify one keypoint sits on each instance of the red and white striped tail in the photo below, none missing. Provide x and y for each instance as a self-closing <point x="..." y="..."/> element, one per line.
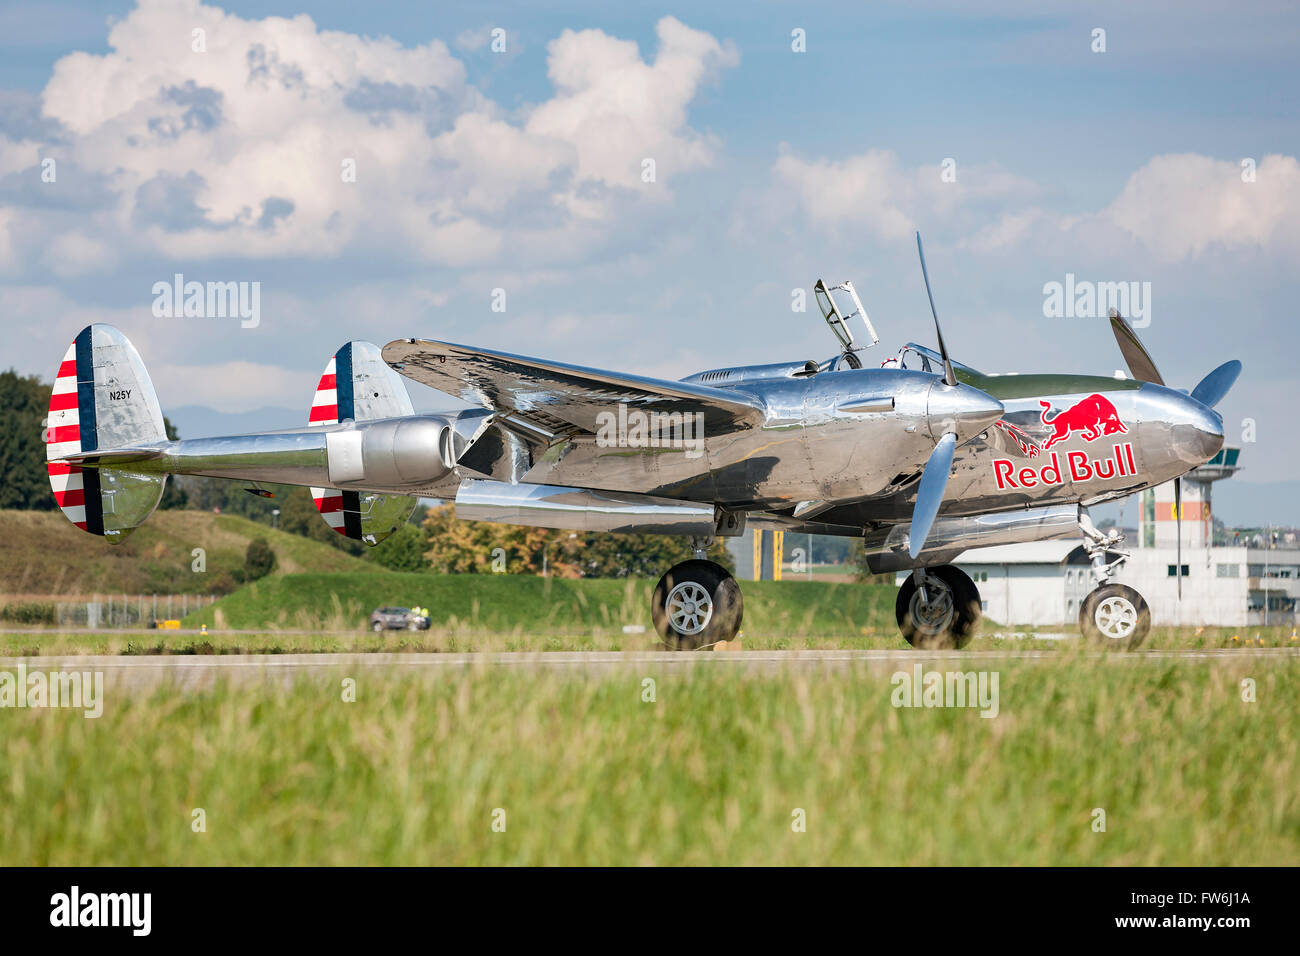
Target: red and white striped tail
<point x="63" y="437"/>
<point x="325" y="411"/>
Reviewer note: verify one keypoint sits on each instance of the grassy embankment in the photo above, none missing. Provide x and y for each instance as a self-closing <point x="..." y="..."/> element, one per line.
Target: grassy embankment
<point x="43" y="555"/>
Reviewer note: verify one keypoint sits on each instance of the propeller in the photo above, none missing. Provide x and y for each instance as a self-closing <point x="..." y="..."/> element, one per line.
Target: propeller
<point x="929" y="493"/>
<point x="934" y="478"/>
<point x="1211" y="389"/>
<point x="1178" y="530"/>
<point x="949" y="378"/>
<point x="1138" y="359"/>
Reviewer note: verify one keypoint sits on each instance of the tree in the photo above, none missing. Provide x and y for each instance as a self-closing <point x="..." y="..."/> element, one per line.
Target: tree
<point x="26" y="402"/>
<point x="470" y="547"/>
<point x="604" y="555"/>
<point x="858" y="558"/>
<point x="480" y="547"/>
<point x="259" y="560"/>
<point x="403" y="550"/>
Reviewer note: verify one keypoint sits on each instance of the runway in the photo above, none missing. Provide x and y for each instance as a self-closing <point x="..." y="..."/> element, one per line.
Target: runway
<point x="197" y="672"/>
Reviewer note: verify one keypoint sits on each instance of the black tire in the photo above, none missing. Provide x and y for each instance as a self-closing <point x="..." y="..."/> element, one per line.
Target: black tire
<point x="1115" y="616"/>
<point x="955" y="626"/>
<point x="377" y="627"/>
<point x="721" y="620"/>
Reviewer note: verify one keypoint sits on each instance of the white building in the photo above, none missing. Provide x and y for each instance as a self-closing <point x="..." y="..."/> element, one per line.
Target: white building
<point x="1039" y="583"/>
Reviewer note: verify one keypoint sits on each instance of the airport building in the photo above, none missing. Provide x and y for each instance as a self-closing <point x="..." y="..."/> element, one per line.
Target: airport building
<point x="1240" y="584"/>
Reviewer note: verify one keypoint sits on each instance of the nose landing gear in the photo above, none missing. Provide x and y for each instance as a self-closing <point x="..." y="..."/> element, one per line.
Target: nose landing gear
<point x="1113" y="615"/>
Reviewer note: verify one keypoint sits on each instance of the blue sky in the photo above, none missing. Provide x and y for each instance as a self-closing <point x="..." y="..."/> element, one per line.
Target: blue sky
<point x="521" y="171"/>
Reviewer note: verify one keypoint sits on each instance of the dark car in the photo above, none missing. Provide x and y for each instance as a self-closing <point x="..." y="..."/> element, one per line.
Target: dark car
<point x="397" y="619"/>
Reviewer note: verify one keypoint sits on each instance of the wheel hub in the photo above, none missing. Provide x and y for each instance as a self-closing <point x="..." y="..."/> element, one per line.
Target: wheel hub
<point x="934" y="616"/>
<point x="1116" y="617"/>
<point x="689" y="608"/>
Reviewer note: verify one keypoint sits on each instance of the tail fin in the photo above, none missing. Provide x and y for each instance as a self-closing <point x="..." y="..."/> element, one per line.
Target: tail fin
<point x="102" y="401"/>
<point x="359" y="386"/>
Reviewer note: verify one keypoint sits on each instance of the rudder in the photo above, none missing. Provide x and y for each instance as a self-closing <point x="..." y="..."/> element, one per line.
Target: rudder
<point x="102" y="400"/>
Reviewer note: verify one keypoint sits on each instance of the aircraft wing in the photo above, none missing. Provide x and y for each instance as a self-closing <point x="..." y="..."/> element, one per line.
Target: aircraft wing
<point x="551" y="399"/>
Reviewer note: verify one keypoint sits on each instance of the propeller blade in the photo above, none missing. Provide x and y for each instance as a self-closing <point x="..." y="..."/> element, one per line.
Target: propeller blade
<point x="1214" y="386"/>
<point x="929" y="494"/>
<point x="949" y="378"/>
<point x="1178" y="530"/>
<point x="1136" y="356"/>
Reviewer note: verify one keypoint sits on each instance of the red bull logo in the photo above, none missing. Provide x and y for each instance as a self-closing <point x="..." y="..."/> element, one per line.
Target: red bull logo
<point x="1094" y="416"/>
<point x="1077" y="467"/>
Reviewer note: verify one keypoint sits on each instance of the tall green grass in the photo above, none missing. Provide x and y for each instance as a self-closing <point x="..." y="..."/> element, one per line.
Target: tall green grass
<point x="712" y="771"/>
<point x="505" y="603"/>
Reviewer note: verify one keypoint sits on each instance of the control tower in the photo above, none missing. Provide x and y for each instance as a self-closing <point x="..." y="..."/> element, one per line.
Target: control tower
<point x="1157" y="524"/>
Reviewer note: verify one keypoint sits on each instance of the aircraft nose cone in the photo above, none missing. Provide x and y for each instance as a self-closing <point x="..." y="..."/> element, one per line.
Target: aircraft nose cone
<point x="962" y="409"/>
<point x="1197" y="432"/>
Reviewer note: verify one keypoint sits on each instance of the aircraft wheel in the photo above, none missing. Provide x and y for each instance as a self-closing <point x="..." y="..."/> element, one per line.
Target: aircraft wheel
<point x="695" y="604"/>
<point x="1115" y="616"/>
<point x="948" y="619"/>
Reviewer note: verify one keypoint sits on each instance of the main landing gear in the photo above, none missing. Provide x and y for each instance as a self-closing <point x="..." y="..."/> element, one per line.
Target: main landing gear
<point x="697" y="603"/>
<point x="938" y="608"/>
<point x="1112" y="615"/>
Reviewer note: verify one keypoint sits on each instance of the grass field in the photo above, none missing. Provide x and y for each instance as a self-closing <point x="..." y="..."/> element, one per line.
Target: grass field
<point x="288" y="613"/>
<point x="508" y="603"/>
<point x="712" y="771"/>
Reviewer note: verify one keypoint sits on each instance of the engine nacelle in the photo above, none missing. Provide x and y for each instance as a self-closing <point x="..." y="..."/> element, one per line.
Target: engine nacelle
<point x="400" y="452"/>
<point x="887" y="549"/>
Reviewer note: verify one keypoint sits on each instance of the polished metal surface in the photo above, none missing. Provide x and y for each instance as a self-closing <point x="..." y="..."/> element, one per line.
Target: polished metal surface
<point x="888" y="545"/>
<point x="817" y="447"/>
<point x="547" y="506"/>
<point x="395" y="456"/>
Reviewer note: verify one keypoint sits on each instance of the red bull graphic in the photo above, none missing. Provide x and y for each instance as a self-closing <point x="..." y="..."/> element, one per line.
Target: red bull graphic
<point x="1077" y="467"/>
<point x="1095" y="416"/>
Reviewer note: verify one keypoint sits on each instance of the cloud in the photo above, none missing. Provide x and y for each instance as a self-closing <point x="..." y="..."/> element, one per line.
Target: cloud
<point x="617" y="110"/>
<point x="1182" y="205"/>
<point x="1178" y="206"/>
<point x="237" y="386"/>
<point x="876" y="194"/>
<point x="219" y="136"/>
